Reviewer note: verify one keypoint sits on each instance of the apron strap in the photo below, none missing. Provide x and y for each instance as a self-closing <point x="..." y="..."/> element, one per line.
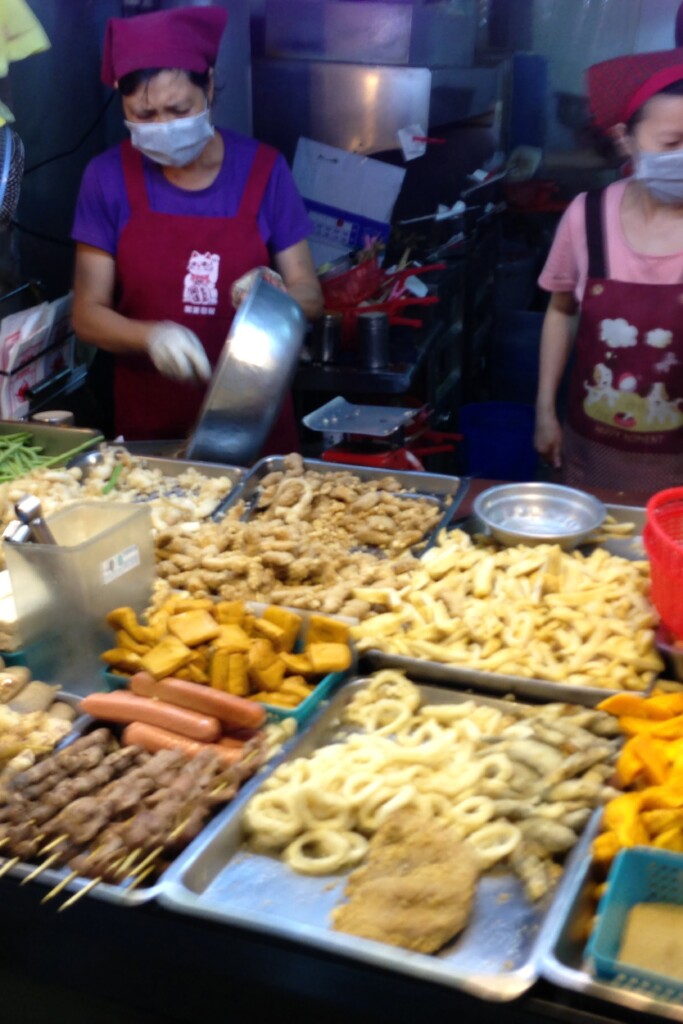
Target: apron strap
<point x="595" y="235"/>
<point x="257" y="182"/>
<point x="134" y="177"/>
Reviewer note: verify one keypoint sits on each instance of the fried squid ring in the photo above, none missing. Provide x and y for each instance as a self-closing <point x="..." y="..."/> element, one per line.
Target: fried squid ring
<point x="385" y="716"/>
<point x="322" y="851"/>
<point x="472" y="813"/>
<point x="359" y="787"/>
<point x="272" y="818"/>
<point x="494" y="842"/>
<point x="318" y="808"/>
<point x="374" y="811"/>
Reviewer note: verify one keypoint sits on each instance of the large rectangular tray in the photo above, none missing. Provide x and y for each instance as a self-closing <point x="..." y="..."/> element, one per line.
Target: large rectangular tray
<point x="448" y="491"/>
<point x="563" y="938"/>
<point x="495" y="958"/>
<point x="168" y="466"/>
<point x="538" y="689"/>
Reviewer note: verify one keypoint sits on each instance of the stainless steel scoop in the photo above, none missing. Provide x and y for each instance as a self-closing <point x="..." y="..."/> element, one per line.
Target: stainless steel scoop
<point x="251" y="379"/>
<point x="29" y="512"/>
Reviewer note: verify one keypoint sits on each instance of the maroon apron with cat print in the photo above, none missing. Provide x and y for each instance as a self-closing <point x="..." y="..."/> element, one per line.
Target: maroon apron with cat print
<point x="181" y="268"/>
<point x="626" y="388"/>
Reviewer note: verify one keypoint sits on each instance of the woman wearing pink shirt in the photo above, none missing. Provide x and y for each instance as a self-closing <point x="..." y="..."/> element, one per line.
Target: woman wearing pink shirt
<point x="617" y="261"/>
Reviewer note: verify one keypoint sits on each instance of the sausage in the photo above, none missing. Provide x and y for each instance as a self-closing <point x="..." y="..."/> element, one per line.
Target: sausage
<point x="121" y="706"/>
<point x="230" y="743"/>
<point x="235" y="712"/>
<point x="153" y="738"/>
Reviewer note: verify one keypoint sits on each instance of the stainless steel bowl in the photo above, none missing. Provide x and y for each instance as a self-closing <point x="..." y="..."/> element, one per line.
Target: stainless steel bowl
<point x="539" y="513"/>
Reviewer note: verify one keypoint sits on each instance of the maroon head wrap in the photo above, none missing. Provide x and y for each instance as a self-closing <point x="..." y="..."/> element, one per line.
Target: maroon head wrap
<point x="619" y="87"/>
<point x="181" y="37"/>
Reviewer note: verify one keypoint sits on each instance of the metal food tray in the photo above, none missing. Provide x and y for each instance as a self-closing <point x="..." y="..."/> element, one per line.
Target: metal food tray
<point x="564" y="936"/>
<point x="496" y="957"/>
<point x="55" y="441"/>
<point x="448" y="491"/>
<point x="538" y="689"/>
<point x="168" y="466"/>
<point x="52" y="876"/>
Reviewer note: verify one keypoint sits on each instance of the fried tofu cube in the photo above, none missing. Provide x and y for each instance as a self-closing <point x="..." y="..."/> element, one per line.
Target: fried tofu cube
<point x="125" y="619"/>
<point x="270" y="631"/>
<point x="197" y="674"/>
<point x="230" y="612"/>
<point x="238" y="677"/>
<point x="123" y="659"/>
<point x="296" y="685"/>
<point x="248" y="623"/>
<point x="194" y="627"/>
<point x="233" y="639"/>
<point x="124" y="639"/>
<point x="166" y="657"/>
<point x="266" y="670"/>
<point x="329" y="657"/>
<point x="298" y="664"/>
<point x="288" y="621"/>
<point x="322" y="630"/>
<point x="193" y="604"/>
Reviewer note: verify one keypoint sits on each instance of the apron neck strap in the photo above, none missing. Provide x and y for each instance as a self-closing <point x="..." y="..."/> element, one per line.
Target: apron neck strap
<point x="134" y="176"/>
<point x="257" y="182"/>
<point x="595" y="235"/>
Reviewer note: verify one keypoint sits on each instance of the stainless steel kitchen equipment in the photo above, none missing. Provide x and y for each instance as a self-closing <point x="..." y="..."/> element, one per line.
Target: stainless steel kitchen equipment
<point x="251" y="379"/>
<point x="539" y="513"/>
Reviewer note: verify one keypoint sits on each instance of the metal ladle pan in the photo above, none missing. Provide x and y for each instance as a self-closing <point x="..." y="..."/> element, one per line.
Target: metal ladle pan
<point x="253" y="374"/>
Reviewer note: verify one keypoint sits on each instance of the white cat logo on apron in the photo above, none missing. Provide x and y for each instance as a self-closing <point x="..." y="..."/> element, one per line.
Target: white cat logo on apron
<point x="200" y="294"/>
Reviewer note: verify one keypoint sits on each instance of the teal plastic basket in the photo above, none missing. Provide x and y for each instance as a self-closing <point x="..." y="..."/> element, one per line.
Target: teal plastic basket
<point x="639" y="875"/>
<point x="274" y="714"/>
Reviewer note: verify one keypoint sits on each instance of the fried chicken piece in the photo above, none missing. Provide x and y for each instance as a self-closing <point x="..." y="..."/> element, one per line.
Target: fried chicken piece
<point x="415" y="889"/>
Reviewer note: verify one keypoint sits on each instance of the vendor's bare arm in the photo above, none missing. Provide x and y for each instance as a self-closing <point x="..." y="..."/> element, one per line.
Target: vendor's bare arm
<point x="295" y="266"/>
<point x="556" y="342"/>
<point x="94" y="319"/>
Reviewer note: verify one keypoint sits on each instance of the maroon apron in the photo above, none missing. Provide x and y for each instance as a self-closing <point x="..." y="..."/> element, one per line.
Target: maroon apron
<point x="626" y="388"/>
<point x="181" y="268"/>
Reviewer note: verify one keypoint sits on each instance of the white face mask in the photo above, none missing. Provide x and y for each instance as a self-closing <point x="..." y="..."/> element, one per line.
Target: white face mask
<point x="172" y="143"/>
<point x="661" y="174"/>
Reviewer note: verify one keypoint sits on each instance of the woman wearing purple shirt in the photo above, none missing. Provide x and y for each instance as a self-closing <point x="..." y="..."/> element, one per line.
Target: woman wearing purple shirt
<point x="168" y="222"/>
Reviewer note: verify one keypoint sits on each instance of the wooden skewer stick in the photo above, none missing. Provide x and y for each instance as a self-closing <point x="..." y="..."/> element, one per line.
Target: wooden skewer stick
<point x="42" y="867"/>
<point x="3" y="841"/>
<point x="140" y="878"/>
<point x="8" y="864"/>
<point x="60" y="885"/>
<point x="128" y="861"/>
<point x="148" y="860"/>
<point x="51" y="845"/>
<point x="179" y="828"/>
<point x="80" y="894"/>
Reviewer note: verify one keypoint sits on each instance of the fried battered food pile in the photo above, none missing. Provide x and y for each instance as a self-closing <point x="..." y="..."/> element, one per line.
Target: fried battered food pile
<point x="415" y="889"/>
<point x="301" y="544"/>
<point x="171" y="499"/>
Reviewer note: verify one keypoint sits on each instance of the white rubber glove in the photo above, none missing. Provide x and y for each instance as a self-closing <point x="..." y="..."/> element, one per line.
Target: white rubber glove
<point x="177" y="352"/>
<point x="243" y="285"/>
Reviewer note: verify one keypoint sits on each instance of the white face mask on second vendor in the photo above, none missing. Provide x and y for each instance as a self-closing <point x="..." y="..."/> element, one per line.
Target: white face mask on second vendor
<point x="661" y="174"/>
<point x="172" y="143"/>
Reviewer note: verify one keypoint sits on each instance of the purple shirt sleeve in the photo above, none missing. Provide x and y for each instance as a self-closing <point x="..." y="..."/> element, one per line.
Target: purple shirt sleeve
<point x="102" y="209"/>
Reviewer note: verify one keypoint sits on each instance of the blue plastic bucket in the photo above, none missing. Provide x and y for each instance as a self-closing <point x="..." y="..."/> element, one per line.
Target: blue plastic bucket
<point x="498" y="440"/>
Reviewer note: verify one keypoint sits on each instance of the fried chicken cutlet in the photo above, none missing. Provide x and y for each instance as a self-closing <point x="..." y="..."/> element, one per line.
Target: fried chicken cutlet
<point x="415" y="889"/>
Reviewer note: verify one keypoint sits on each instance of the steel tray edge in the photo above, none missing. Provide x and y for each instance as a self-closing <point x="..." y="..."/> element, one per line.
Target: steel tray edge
<point x="455" y="676"/>
<point x="554" y="970"/>
<point x="175" y="895"/>
<point x="275" y="463"/>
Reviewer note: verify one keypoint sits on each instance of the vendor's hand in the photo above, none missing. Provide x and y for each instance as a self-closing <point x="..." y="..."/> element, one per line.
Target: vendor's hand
<point x="244" y="284"/>
<point x="177" y="352"/>
<point x="548" y="438"/>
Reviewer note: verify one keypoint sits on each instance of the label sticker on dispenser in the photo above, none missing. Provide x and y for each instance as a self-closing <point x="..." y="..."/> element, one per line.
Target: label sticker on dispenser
<point x="120" y="564"/>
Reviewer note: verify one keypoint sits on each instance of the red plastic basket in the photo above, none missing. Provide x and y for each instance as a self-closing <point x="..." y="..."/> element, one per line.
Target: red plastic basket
<point x="663" y="539"/>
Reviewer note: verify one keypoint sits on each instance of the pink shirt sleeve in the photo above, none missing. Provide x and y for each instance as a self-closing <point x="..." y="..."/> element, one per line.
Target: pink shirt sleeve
<point x="566" y="267"/>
